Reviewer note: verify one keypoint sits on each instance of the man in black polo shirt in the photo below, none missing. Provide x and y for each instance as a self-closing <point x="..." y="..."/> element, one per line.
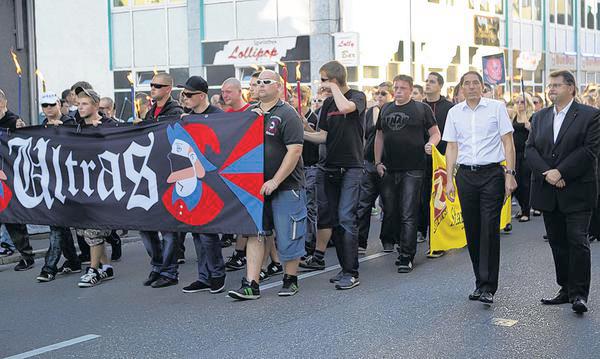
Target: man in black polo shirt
<point x="341" y="122"/>
<point x="440" y="106"/>
<point x="285" y="198"/>
<point x="400" y="142"/>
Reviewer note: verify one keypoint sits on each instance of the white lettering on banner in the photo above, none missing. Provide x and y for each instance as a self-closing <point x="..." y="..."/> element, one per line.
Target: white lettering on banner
<point x="31" y="175"/>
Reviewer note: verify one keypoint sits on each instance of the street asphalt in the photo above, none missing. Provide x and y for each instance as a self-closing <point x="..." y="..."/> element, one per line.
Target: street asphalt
<point x="423" y="314"/>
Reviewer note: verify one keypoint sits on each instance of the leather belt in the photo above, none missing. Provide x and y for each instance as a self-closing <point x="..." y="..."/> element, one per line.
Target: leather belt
<point x="475" y="168"/>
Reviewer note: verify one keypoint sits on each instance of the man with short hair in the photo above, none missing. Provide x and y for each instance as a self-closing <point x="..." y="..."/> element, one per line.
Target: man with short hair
<point x="440" y="106"/>
<point x="371" y="182"/>
<point x="17" y="231"/>
<point x="341" y="124"/>
<point x="253" y="89"/>
<point x="100" y="269"/>
<point x="478" y="133"/>
<point x="73" y="98"/>
<point x="107" y="107"/>
<point x="285" y="199"/>
<point x="231" y="91"/>
<point x="562" y="151"/>
<point x="211" y="266"/>
<point x="400" y="150"/>
<point x="61" y="240"/>
<point x="161" y="87"/>
<point x="417" y="93"/>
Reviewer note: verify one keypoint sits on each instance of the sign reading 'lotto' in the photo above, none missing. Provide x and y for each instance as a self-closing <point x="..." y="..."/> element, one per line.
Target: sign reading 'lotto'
<point x="249" y="52"/>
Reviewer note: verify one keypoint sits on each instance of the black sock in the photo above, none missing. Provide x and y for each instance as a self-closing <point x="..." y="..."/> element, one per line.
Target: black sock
<point x="319" y="255"/>
<point x="291" y="278"/>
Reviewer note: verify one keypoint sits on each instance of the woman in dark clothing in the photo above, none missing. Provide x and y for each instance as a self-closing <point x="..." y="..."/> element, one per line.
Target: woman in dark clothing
<point x="524" y="111"/>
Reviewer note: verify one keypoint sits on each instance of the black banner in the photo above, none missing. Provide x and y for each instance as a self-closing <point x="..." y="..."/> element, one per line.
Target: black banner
<point x="201" y="174"/>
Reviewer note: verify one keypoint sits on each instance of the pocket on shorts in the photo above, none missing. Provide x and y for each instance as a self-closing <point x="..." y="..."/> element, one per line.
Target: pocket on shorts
<point x="298" y="225"/>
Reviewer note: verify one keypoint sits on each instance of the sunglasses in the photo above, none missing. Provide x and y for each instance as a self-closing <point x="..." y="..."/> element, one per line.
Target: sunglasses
<point x="317" y="100"/>
<point x="266" y="82"/>
<point x="158" y="86"/>
<point x="44" y="105"/>
<point x="324" y="80"/>
<point x="381" y="93"/>
<point x="190" y="94"/>
<point x="536" y="102"/>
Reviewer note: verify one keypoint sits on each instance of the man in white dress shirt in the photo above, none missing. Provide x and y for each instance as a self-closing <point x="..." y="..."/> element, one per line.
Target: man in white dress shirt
<point x="479" y="136"/>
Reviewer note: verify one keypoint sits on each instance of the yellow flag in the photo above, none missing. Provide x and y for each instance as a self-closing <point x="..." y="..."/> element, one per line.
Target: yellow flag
<point x="447" y="230"/>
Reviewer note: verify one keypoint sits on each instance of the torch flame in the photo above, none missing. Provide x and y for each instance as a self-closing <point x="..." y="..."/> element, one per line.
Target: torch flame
<point x="40" y="75"/>
<point x="16" y="61"/>
<point x="138" y="107"/>
<point x="255" y="67"/>
<point x="298" y="73"/>
<point x="282" y="64"/>
<point x="261" y="68"/>
<point x="130" y="78"/>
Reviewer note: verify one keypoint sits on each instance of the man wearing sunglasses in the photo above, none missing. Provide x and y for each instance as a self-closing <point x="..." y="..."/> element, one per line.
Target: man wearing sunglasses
<point x="61" y="240"/>
<point x="370" y="183"/>
<point x="161" y="88"/>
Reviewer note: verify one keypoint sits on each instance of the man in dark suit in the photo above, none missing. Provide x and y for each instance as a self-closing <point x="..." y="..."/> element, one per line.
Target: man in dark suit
<point x="562" y="151"/>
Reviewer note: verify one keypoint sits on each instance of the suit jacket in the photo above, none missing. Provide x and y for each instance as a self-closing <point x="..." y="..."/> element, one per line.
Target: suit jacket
<point x="574" y="154"/>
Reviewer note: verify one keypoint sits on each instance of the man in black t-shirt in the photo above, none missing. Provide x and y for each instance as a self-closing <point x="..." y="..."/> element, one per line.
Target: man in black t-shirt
<point x="370" y="183"/>
<point x="341" y="122"/>
<point x="401" y="144"/>
<point x="285" y="198"/>
<point x="440" y="106"/>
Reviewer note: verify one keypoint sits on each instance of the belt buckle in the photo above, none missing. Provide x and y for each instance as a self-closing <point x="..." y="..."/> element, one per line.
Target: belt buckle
<point x="473" y="168"/>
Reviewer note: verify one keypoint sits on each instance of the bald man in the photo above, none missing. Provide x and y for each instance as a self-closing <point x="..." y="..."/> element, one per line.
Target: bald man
<point x="231" y="91"/>
<point x="161" y="88"/>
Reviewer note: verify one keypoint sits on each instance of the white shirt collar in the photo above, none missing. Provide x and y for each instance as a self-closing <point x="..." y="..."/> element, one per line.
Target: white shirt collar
<point x="564" y="110"/>
<point x="483" y="101"/>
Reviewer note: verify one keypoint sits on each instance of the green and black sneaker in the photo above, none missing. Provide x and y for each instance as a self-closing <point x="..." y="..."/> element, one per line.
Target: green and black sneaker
<point x="247" y="291"/>
<point x="290" y="286"/>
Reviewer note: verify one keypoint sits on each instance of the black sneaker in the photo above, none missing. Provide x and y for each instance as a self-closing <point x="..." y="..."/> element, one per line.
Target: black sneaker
<point x="336" y="278"/>
<point x="347" y="282"/>
<point x="274" y="269"/>
<point x="263" y="276"/>
<point x="68" y="268"/>
<point x="45" y="277"/>
<point x="217" y="285"/>
<point x="196" y="287"/>
<point x="289" y="288"/>
<point x="152" y="277"/>
<point x="235" y="262"/>
<point x="6" y="250"/>
<point x="24" y="264"/>
<point x="163" y="282"/>
<point x="107" y="274"/>
<point x="246" y="292"/>
<point x="388" y="247"/>
<point x="405" y="265"/>
<point x="313" y="263"/>
<point x="90" y="278"/>
<point x="226" y="242"/>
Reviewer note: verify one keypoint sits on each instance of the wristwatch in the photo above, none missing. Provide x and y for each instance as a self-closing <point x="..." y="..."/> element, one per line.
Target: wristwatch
<point x="510" y="172"/>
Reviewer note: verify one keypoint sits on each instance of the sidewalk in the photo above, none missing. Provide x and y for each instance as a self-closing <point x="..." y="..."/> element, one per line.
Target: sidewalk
<point x="39" y="243"/>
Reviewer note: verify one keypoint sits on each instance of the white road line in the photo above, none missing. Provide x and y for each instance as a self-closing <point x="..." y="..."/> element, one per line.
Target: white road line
<point x="56" y="346"/>
<point x="328" y="269"/>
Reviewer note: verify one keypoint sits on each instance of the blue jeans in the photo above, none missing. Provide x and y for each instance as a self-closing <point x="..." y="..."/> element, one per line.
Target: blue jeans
<point x="163" y="255"/>
<point x="61" y="242"/>
<point x="369" y="191"/>
<point x="210" y="257"/>
<point x="342" y="187"/>
<point x="5" y="237"/>
<point x="311" y="206"/>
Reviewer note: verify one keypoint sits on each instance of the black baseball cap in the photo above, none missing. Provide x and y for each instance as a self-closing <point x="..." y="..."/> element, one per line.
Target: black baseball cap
<point x="195" y="83"/>
<point x="90" y="93"/>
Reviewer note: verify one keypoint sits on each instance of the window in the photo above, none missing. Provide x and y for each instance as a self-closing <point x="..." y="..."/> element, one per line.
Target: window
<point x="598" y="16"/>
<point x="263" y="23"/>
<point x="538" y="10"/>
<point x="526" y="9"/>
<point x="219" y="23"/>
<point x="552" y="11"/>
<point x="569" y="12"/>
<point x="582" y="14"/>
<point x="371" y="72"/>
<point x="561" y="12"/>
<point x="515" y="8"/>
<point x="589" y="18"/>
<point x="128" y="3"/>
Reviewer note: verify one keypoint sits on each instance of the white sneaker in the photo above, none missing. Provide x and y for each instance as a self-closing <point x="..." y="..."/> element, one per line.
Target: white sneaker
<point x="91" y="278"/>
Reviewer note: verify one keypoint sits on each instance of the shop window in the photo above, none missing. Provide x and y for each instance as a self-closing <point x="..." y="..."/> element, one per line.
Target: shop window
<point x="590" y="18"/>
<point x="569" y="12"/>
<point x="352" y="73"/>
<point x="552" y="12"/>
<point x="561" y="12"/>
<point x="120" y="79"/>
<point x="215" y="75"/>
<point x="180" y="75"/>
<point x="537" y="10"/>
<point x="371" y="72"/>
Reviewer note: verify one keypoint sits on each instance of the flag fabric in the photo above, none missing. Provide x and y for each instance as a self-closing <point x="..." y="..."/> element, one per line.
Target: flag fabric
<point x="447" y="230"/>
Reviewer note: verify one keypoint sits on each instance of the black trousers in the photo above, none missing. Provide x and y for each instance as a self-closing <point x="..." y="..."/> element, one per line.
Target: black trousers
<point x="595" y="222"/>
<point x="425" y="200"/>
<point x="19" y="236"/>
<point x="481" y="195"/>
<point x="523" y="184"/>
<point x="401" y="196"/>
<point x="567" y="235"/>
<point x="369" y="191"/>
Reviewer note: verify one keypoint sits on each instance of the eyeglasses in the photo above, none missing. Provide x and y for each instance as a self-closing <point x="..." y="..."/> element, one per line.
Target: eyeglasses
<point x="381" y="93"/>
<point x="44" y="105"/>
<point x="158" y="86"/>
<point x="555" y="86"/>
<point x="190" y="94"/>
<point x="536" y="102"/>
<point x="324" y="80"/>
<point x="265" y="82"/>
<point x="317" y="100"/>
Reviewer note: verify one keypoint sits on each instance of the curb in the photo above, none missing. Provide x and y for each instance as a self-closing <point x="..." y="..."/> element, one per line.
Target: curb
<point x="41" y="253"/>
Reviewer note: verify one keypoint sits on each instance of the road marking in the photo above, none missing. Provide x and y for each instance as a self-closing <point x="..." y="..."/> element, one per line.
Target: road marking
<point x="501" y="322"/>
<point x="326" y="270"/>
<point x="56" y="346"/>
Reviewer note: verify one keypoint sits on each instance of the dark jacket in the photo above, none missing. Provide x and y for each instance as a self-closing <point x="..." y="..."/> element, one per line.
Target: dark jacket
<point x="440" y="110"/>
<point x="574" y="155"/>
<point x="9" y="121"/>
<point x="170" y="108"/>
<point x="66" y="120"/>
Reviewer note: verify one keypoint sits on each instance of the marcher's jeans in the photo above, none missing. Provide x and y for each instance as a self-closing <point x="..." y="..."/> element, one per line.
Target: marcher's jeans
<point x="342" y="187"/>
<point x="61" y="242"/>
<point x="20" y="237"/>
<point x="5" y="237"/>
<point x="163" y="255"/>
<point x="369" y="191"/>
<point x="401" y="196"/>
<point x="423" y="224"/>
<point x="311" y="206"/>
<point x="210" y="257"/>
